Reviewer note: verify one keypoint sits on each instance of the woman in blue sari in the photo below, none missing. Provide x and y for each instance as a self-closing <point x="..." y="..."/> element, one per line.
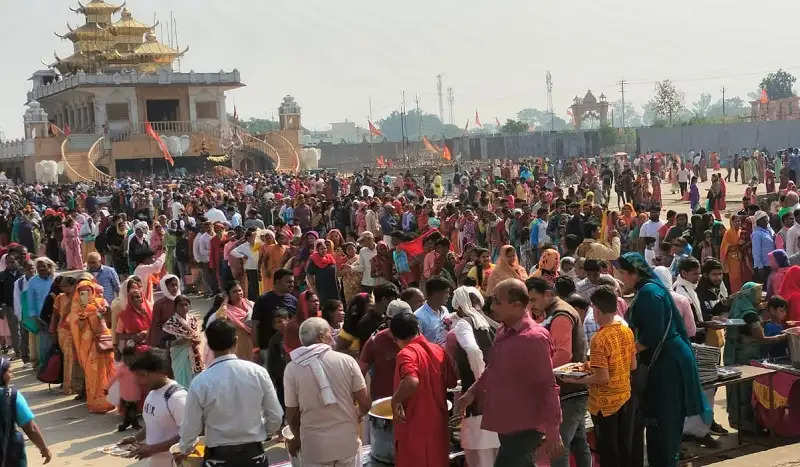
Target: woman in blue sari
<point x="673" y="389"/>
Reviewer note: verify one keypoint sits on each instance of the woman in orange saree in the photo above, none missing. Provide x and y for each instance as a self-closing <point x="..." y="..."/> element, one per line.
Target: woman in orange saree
<point x="271" y="258"/>
<point x="59" y="326"/>
<point x="87" y="324"/>
<point x="732" y="256"/>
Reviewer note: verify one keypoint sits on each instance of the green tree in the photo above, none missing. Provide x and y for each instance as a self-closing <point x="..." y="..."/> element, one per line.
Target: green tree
<point x="667" y="101"/>
<point x="514" y="127"/>
<point x="701" y="107"/>
<point x="778" y="84"/>
<point x="540" y="120"/>
<point x="429" y="124"/>
<point x="257" y="126"/>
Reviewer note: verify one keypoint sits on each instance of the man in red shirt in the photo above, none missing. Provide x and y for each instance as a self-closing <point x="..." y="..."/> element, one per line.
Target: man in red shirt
<point x="506" y="385"/>
<point x="379" y="354"/>
<point x="662" y="232"/>
<point x="423" y="373"/>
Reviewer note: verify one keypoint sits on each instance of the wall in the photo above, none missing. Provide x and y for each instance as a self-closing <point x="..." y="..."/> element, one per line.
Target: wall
<point x="354" y="156"/>
<point x="725" y="139"/>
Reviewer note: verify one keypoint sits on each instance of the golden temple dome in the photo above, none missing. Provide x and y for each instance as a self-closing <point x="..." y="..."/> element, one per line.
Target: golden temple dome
<point x="128" y="25"/>
<point x="95" y="7"/>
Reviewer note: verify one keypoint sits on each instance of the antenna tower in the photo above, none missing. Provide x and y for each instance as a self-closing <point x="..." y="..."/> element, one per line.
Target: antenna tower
<point x="548" y="79"/>
<point x="439" y="92"/>
<point x="451" y="101"/>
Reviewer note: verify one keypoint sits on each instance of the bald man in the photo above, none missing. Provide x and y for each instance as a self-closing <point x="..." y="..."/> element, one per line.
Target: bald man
<point x="105" y="276"/>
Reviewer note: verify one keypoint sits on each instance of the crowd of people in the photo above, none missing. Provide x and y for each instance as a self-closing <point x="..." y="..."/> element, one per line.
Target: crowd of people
<point x="329" y="292"/>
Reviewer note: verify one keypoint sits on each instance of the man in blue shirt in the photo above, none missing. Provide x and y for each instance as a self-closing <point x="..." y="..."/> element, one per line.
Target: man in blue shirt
<point x="433" y="313"/>
<point x="763" y="243"/>
<point x="105" y="276"/>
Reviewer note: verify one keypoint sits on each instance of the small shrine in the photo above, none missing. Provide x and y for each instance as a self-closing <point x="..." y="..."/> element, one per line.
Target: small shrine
<point x="589" y="107"/>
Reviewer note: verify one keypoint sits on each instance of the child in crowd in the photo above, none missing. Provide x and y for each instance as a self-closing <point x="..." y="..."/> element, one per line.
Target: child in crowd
<point x="567" y="267"/>
<point x="130" y="394"/>
<point x="613" y="357"/>
<point x="694" y="195"/>
<point x="777" y="307"/>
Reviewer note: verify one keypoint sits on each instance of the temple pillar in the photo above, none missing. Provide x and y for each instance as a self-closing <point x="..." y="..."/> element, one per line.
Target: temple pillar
<point x="193" y="112"/>
<point x="133" y="114"/>
<point x="222" y="111"/>
<point x="99" y="114"/>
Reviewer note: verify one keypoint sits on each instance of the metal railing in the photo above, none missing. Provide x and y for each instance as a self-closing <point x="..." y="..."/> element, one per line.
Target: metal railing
<point x="95" y="152"/>
<point x="72" y="174"/>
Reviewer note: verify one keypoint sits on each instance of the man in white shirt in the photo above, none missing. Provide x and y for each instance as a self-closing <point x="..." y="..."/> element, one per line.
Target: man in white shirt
<point x="319" y="404"/>
<point x="793" y="236"/>
<point x="251" y="256"/>
<point x="201" y="248"/>
<point x="683" y="179"/>
<point x="652" y="226"/>
<point x="163" y="409"/>
<point x="364" y="265"/>
<point x="236" y="416"/>
<point x="215" y="215"/>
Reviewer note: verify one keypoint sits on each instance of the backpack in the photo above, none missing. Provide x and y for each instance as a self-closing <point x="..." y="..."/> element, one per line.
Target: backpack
<point x="12" y="444"/>
<point x="168" y="394"/>
<point x="100" y="243"/>
<point x="182" y="249"/>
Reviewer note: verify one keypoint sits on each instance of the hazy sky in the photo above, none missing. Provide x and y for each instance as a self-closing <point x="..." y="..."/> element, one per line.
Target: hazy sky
<point x="334" y="55"/>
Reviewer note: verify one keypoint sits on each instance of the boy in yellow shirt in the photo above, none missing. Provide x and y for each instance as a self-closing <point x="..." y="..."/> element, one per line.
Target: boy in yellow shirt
<point x="613" y="357"/>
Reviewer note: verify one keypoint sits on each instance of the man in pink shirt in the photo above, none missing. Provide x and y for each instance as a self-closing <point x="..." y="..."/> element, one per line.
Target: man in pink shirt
<point x="507" y="383"/>
<point x="568" y="338"/>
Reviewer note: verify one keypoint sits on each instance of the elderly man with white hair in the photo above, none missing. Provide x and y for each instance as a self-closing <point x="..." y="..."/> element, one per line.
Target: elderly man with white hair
<point x="320" y="388"/>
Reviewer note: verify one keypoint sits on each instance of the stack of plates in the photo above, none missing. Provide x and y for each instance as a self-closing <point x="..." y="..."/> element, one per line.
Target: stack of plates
<point x="707" y="361"/>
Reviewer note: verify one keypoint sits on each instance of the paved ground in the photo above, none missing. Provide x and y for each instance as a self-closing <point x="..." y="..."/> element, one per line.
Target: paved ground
<point x="74" y="435"/>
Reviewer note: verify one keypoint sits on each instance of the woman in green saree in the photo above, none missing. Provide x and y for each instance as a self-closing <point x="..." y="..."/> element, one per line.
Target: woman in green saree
<point x="673" y="390"/>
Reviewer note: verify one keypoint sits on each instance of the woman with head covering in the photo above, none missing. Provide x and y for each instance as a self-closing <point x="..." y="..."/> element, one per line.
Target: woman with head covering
<point x="682" y="303"/>
<point x="673" y="389"/>
<point x="88" y="327"/>
<point x="14" y="411"/>
<point x="778" y="265"/>
<point x="163" y="309"/>
<point x="382" y="264"/>
<point x="237" y="309"/>
<point x="307" y="307"/>
<point x="133" y="323"/>
<point x="351" y="278"/>
<point x="507" y="267"/>
<point x="468" y="343"/>
<point x="71" y="243"/>
<point x="184" y="338"/>
<point x="790" y="290"/>
<point x="357" y="308"/>
<point x="732" y="255"/>
<point x="321" y="273"/>
<point x="482" y="270"/>
<point x="63" y="289"/>
<point x="549" y="262"/>
<point x="743" y="344"/>
<point x="300" y="261"/>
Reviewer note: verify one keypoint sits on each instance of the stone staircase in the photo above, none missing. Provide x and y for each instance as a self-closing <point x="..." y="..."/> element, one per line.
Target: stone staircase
<point x="76" y="152"/>
<point x="82" y="142"/>
<point x="287" y="153"/>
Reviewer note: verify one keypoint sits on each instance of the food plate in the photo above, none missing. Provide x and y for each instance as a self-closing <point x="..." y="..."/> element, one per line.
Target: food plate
<point x="571" y="370"/>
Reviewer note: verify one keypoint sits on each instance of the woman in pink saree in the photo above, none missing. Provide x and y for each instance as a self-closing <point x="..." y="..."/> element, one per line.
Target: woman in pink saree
<point x="239" y="311"/>
<point x="71" y="242"/>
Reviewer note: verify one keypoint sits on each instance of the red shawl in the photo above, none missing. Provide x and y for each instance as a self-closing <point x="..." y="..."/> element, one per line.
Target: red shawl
<point x="134" y="321"/>
<point x="322" y="261"/>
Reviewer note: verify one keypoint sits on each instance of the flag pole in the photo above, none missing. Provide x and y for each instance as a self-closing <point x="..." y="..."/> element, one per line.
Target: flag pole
<point x="371" y="149"/>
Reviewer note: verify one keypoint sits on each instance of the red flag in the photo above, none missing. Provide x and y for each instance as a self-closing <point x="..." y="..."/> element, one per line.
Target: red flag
<point x="55" y="131"/>
<point x="149" y="130"/>
<point x="446" y="153"/>
<point x="477" y="120"/>
<point x="764" y="97"/>
<point x="373" y="130"/>
<point x="498" y="122"/>
<point x="67" y="131"/>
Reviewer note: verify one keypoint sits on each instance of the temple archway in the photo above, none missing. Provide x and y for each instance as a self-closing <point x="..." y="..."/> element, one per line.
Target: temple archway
<point x="589" y="108"/>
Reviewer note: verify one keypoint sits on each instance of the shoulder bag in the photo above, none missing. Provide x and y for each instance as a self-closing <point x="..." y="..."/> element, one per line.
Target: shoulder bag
<point x="642" y="373"/>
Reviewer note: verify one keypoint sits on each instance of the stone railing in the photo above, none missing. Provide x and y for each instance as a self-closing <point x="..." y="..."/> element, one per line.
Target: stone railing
<point x="16" y="148"/>
<point x="176" y="128"/>
<point x="95" y="153"/>
<point x="133" y="78"/>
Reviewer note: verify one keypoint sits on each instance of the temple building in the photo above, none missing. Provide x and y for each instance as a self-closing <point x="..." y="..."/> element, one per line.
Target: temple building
<point x="89" y="110"/>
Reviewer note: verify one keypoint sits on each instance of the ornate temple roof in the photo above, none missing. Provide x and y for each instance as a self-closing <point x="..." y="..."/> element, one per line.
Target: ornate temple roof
<point x="95" y="7"/>
<point x="102" y="44"/>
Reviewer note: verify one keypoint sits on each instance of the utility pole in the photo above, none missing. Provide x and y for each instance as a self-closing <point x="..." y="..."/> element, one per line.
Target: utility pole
<point x="439" y="92"/>
<point x="451" y="100"/>
<point x="723" y="103"/>
<point x="419" y="126"/>
<point x="622" y="90"/>
<point x="548" y="80"/>
<point x="371" y="151"/>
<point x="403" y="126"/>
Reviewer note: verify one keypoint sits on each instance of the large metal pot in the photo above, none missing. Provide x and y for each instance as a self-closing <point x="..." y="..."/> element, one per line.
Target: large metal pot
<point x="794" y="346"/>
<point x="381" y="431"/>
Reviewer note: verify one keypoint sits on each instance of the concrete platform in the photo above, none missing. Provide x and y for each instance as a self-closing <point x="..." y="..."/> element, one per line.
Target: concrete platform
<point x="784" y="456"/>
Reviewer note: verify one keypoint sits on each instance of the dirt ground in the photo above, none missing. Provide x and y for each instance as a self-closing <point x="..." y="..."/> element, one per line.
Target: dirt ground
<point x="74" y="435"/>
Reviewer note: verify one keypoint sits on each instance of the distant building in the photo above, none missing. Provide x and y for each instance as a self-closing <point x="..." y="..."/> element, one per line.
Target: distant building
<point x="340" y="132"/>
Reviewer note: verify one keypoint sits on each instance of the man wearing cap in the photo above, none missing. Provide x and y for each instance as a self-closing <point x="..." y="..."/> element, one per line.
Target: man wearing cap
<point x="215" y="215"/>
<point x="379" y="353"/>
<point x="763" y="243"/>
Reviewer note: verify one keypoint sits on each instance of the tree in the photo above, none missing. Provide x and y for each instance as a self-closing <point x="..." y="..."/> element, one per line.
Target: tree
<point x="778" y="84"/>
<point x="667" y="101"/>
<point x="632" y="117"/>
<point x="540" y="120"/>
<point x="608" y="135"/>
<point x="701" y="107"/>
<point x="514" y="127"/>
<point x="431" y="126"/>
<point x="257" y="126"/>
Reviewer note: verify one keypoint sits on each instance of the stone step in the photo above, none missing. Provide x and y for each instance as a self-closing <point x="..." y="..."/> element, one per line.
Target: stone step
<point x="82" y="142"/>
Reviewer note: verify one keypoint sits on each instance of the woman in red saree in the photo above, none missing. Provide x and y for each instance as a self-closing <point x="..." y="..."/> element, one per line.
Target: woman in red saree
<point x="87" y="324"/>
<point x="134" y="321"/>
<point x="307" y="307"/>
<point x="239" y="311"/>
<point x="731" y="255"/>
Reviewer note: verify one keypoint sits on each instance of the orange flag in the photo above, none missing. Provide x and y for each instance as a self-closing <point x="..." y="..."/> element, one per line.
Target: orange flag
<point x="428" y="146"/>
<point x="764" y="97"/>
<point x="446" y="153"/>
<point x="167" y="156"/>
<point x="373" y="130"/>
